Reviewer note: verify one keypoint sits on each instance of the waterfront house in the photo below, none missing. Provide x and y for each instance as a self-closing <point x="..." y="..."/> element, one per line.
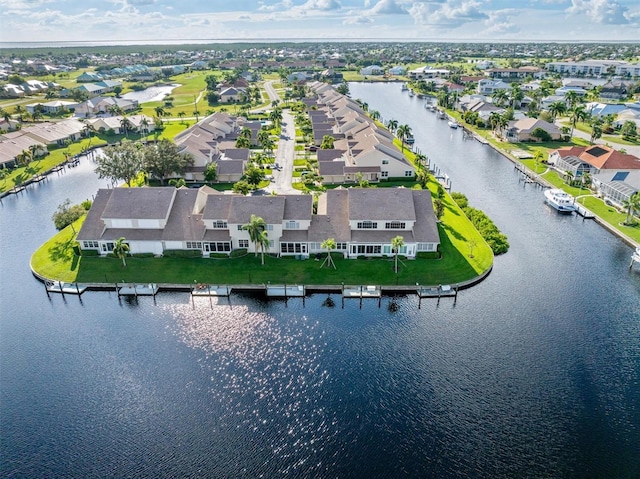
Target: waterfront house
<point x="521" y="130"/>
<point x="594" y="159"/>
<point x="617" y="186"/>
<point x="100" y="105"/>
<point x="372" y="70"/>
<point x="362" y="221"/>
<point x="489" y="87"/>
<point x="55" y="133"/>
<point x="13" y="144"/>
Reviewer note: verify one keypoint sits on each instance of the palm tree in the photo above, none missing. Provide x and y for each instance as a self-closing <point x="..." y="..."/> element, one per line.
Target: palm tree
<point x="631" y="205"/>
<point x="255" y="227"/>
<point x="392" y="125"/>
<point x="578" y="113"/>
<point x="516" y="95"/>
<point x="125" y="124"/>
<point x="403" y="132"/>
<point x="19" y="110"/>
<point x="375" y="115"/>
<point x="181" y="115"/>
<point x="571" y="98"/>
<point x="328" y="244"/>
<point x="121" y="249"/>
<point x="160" y="112"/>
<point x="265" y="243"/>
<point x="276" y="116"/>
<point x="396" y="244"/>
<point x="500" y="97"/>
<point x="557" y="108"/>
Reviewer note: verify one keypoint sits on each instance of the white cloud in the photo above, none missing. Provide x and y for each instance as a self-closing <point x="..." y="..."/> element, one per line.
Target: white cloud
<point x="357" y="20"/>
<point x="389" y="7"/>
<point x="451" y="14"/>
<point x="608" y="12"/>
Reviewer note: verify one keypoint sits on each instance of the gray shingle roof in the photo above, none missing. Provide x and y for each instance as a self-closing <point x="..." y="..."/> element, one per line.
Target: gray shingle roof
<point x="270" y="209"/>
<point x="381" y="204"/>
<point x="298" y="207"/>
<point x="139" y="203"/>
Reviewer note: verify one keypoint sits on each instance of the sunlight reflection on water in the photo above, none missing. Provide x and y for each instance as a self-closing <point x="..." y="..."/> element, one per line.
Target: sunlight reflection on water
<point x="265" y="372"/>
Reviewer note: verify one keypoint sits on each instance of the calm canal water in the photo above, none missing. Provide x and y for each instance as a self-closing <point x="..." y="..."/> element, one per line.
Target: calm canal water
<point x="533" y="373"/>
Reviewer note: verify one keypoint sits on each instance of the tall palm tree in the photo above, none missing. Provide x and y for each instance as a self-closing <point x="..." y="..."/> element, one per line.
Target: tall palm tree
<point x="557" y="108"/>
<point x="329" y="244"/>
<point x="160" y="112"/>
<point x="19" y="110"/>
<point x="125" y="125"/>
<point x="375" y="115"/>
<point x="403" y="132"/>
<point x="500" y="97"/>
<point x="255" y="227"/>
<point x="578" y="113"/>
<point x="392" y="125"/>
<point x="276" y="116"/>
<point x="572" y="98"/>
<point x="121" y="249"/>
<point x="396" y="244"/>
<point x="631" y="205"/>
<point x="264" y="242"/>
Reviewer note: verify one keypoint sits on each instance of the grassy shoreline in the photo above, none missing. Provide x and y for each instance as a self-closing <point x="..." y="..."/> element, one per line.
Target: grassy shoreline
<point x="56" y="260"/>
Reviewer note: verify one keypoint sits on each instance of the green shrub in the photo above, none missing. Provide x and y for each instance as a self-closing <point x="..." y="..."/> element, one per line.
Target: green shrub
<point x="89" y="252"/>
<point x="496" y="240"/>
<point x="428" y="255"/>
<point x="143" y="255"/>
<point x="182" y="253"/>
<point x="236" y="253"/>
<point x="218" y="255"/>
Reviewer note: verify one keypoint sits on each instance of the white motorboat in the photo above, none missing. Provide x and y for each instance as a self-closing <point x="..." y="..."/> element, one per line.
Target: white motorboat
<point x="453" y="124"/>
<point x="441" y="115"/>
<point x="560" y="200"/>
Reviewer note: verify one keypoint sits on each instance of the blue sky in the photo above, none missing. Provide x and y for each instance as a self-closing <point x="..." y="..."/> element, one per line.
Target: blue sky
<point x="446" y="20"/>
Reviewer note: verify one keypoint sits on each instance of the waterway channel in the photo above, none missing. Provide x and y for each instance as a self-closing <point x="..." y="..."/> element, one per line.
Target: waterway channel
<point x="532" y="373"/>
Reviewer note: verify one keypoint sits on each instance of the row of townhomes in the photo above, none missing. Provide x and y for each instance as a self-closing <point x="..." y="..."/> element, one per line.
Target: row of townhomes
<point x="38" y="137"/>
<point x="361" y="148"/>
<point x="362" y="221"/>
<point x="212" y="140"/>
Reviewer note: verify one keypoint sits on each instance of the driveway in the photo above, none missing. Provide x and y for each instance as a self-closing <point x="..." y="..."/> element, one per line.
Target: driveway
<point x="285" y="155"/>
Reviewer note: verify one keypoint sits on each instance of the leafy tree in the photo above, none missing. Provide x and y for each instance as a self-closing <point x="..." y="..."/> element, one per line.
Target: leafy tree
<point x="343" y="88"/>
<point x="163" y="158"/>
<point x="629" y="130"/>
<point x="211" y="172"/>
<point x="121" y="249"/>
<point x="66" y="214"/>
<point x="120" y="162"/>
<point x="254" y="175"/>
<point x="243" y="142"/>
<point x="327" y="142"/>
<point x="397" y="243"/>
<point x="541" y="134"/>
<point x="438" y="208"/>
<point x="213" y="97"/>
<point x="117" y="90"/>
<point x="329" y="244"/>
<point x="242" y="187"/>
<point x="392" y="125"/>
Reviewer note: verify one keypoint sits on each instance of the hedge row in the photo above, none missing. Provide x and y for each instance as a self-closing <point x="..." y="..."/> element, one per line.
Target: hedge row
<point x="496" y="240"/>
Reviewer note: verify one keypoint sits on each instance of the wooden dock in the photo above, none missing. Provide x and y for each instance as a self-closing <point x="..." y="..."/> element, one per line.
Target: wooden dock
<point x="285" y="291"/>
<point x="361" y="292"/>
<point x="436" y="291"/>
<point x="210" y="290"/>
<point x="64" y="288"/>
<point x="133" y="289"/>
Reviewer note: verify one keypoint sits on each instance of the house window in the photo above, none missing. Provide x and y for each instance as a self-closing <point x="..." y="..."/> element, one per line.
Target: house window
<point x="408" y="173"/>
<point x="239" y="227"/>
<point x="384" y="174"/>
<point x="90" y="244"/>
<point x="194" y="244"/>
<point x="269" y="228"/>
<point x="368" y="249"/>
<point x="293" y="248"/>
<point x="219" y="246"/>
<point x="108" y="247"/>
<point x="341" y="246"/>
<point x="395" y="225"/>
<point x="220" y="225"/>
<point x="292" y="225"/>
<point x="385" y="162"/>
<point x="367" y="225"/>
<point x="243" y="243"/>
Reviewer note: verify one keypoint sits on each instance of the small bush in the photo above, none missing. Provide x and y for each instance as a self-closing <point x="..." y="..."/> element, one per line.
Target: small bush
<point x="496" y="240"/>
<point x="89" y="252"/>
<point x="182" y="253"/>
<point x="428" y="255"/>
<point x="143" y="255"/>
<point x="236" y="253"/>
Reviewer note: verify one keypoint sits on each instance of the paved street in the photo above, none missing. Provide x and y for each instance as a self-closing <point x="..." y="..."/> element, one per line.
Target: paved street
<point x="285" y="155"/>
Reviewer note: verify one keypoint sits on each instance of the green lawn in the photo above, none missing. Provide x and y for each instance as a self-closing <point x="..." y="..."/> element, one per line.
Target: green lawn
<point x="612" y="216"/>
